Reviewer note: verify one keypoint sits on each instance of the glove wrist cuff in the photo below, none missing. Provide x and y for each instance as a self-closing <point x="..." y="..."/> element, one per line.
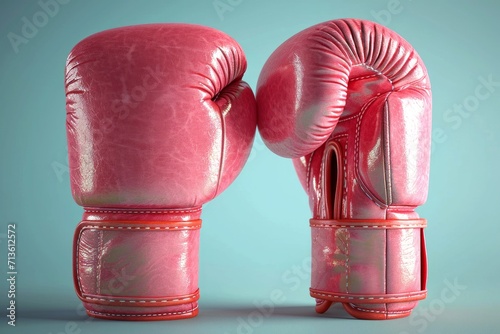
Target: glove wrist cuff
<point x="376" y="268"/>
<point x="137" y="269"/>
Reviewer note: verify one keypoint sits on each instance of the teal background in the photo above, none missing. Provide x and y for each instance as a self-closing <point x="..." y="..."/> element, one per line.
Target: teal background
<point x="255" y="237"/>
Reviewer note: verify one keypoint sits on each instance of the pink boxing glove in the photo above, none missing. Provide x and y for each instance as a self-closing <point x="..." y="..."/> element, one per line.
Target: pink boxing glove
<point x="350" y="101"/>
<point x="159" y="122"/>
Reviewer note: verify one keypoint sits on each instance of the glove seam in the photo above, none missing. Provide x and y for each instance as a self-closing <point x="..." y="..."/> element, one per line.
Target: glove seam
<point x="143" y="315"/>
<point x="377" y="311"/>
<point x="369" y="227"/>
<point x="367" y="298"/>
<point x="163" y="300"/>
<point x="112" y="227"/>
<point x="141" y="211"/>
<point x="308" y="176"/>
<point x="387" y="153"/>
<point x="366" y="77"/>
<point x="356" y="149"/>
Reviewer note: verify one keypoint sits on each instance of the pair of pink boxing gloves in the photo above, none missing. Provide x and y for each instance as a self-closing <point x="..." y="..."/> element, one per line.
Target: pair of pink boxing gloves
<point x="159" y="122"/>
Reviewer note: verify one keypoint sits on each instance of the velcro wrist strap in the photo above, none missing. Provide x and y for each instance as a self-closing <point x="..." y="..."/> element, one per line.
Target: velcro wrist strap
<point x="136" y="263"/>
<point x="368" y="261"/>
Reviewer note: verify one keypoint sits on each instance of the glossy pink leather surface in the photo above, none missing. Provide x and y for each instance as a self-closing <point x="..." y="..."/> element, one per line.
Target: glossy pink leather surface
<point x="123" y="265"/>
<point x="159" y="122"/>
<point x="350" y="101"/>
<point x="126" y="264"/>
<point x="365" y="266"/>
<point x="157" y="116"/>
